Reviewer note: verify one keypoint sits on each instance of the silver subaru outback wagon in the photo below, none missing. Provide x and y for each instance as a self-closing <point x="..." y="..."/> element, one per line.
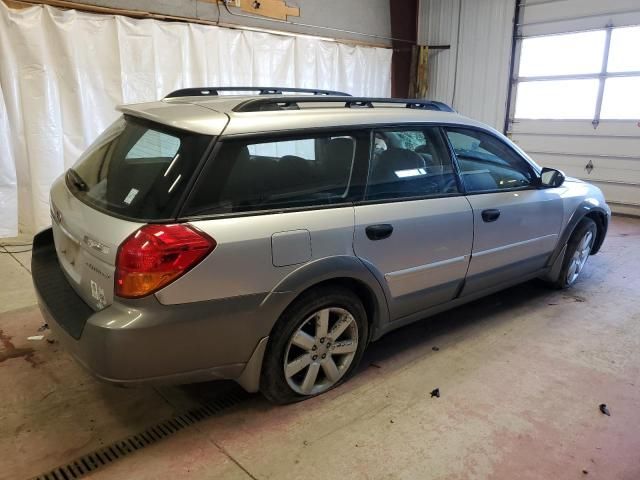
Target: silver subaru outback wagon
<point x="269" y="238"/>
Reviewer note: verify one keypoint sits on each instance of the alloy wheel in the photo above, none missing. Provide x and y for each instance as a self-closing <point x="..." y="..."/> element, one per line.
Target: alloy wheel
<point x="579" y="257"/>
<point x="321" y="350"/>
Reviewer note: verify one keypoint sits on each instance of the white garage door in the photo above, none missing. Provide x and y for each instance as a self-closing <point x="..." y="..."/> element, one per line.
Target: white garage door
<point x="576" y="92"/>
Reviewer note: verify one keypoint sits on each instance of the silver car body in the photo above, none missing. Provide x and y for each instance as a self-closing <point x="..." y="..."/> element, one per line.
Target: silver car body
<point x="215" y="321"/>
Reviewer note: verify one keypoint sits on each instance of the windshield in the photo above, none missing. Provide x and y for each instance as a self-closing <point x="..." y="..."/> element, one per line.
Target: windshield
<point x="137" y="169"/>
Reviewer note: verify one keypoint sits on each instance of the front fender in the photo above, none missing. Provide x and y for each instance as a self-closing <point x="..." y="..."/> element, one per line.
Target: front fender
<point x="587" y="206"/>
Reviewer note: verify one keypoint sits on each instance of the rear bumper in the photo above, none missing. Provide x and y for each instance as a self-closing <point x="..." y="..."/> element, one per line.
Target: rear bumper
<point x="143" y="341"/>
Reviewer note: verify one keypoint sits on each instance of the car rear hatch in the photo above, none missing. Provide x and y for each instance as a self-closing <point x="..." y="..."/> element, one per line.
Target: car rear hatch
<point x="86" y="244"/>
<point x="137" y="172"/>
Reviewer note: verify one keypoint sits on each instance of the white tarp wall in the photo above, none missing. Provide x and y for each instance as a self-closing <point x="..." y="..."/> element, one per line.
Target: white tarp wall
<point x="8" y="183"/>
<point x="63" y="72"/>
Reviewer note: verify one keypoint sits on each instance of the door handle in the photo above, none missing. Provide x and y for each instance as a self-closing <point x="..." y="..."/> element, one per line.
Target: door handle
<point x="379" y="232"/>
<point x="490" y="215"/>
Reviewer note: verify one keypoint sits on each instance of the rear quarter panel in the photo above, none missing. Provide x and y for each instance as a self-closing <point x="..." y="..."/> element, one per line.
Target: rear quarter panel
<point x="243" y="261"/>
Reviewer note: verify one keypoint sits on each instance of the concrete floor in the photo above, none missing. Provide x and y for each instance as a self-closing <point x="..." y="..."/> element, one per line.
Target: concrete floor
<point x="521" y="375"/>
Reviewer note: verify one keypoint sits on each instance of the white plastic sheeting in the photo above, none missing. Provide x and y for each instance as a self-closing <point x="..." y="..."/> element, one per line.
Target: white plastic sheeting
<point x="8" y="183"/>
<point x="63" y="72"/>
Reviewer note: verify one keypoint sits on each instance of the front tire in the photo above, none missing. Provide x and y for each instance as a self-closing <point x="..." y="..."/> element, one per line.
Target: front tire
<point x="579" y="248"/>
<point x="315" y="346"/>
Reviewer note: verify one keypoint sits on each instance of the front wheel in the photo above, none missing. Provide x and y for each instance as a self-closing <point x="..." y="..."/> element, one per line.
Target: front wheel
<point x="315" y="346"/>
<point x="578" y="251"/>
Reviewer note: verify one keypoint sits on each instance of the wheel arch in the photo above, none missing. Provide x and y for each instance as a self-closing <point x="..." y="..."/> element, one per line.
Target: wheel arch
<point x="585" y="209"/>
<point x="359" y="288"/>
<point x="344" y="271"/>
<point x="601" y="220"/>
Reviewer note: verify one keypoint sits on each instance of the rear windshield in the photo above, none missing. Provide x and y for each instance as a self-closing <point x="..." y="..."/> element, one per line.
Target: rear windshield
<point x="137" y="169"/>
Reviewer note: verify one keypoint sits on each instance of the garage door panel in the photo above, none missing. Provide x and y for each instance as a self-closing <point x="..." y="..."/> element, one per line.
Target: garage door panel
<point x="538" y="11"/>
<point x="619" y="195"/>
<point x="544" y="17"/>
<point x="624" y="147"/>
<point x="609" y="169"/>
<point x="599" y="175"/>
<point x="626" y="209"/>
<point x="606" y="128"/>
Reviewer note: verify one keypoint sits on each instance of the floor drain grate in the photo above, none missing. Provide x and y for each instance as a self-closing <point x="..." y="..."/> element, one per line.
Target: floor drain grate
<point x="103" y="456"/>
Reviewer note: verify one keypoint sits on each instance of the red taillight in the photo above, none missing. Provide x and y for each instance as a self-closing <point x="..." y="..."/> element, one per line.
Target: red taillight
<point x="156" y="255"/>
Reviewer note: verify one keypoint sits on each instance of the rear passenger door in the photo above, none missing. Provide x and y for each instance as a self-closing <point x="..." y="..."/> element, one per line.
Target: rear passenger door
<point x="414" y="228"/>
<point x="516" y="224"/>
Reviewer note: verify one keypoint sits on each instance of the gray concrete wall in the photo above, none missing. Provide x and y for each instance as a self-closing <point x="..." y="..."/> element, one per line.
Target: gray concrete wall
<point x="365" y="16"/>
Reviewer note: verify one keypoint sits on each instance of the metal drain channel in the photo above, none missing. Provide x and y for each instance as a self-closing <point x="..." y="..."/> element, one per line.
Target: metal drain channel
<point x="108" y="454"/>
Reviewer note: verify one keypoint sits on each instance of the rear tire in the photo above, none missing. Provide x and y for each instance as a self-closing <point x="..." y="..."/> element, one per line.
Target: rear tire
<point x="578" y="250"/>
<point x="315" y="346"/>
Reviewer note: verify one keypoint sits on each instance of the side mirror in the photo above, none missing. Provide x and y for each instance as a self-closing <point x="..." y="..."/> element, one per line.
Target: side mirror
<point x="550" y="177"/>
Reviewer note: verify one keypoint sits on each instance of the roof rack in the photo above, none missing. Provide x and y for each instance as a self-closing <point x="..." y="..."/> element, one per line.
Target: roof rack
<point x="213" y="91"/>
<point x="292" y="103"/>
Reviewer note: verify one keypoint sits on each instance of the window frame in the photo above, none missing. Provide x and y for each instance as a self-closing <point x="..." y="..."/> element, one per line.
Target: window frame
<point x="361" y="167"/>
<point x="602" y="76"/>
<point x="411" y="126"/>
<point x="535" y="185"/>
<point x="358" y="172"/>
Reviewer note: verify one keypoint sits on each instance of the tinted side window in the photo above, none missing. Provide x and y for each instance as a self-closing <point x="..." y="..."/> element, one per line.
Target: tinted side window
<point x="410" y="162"/>
<point x="251" y="175"/>
<point x="488" y="164"/>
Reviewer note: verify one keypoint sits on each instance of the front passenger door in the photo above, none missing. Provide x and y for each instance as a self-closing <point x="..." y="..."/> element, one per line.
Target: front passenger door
<point x="516" y="224"/>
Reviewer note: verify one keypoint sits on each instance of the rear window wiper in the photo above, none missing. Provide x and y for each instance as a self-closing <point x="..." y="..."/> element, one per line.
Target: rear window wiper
<point x="77" y="180"/>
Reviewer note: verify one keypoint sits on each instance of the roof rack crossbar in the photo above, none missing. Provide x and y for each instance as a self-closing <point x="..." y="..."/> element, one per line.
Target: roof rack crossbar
<point x="291" y="103"/>
<point x="213" y="91"/>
